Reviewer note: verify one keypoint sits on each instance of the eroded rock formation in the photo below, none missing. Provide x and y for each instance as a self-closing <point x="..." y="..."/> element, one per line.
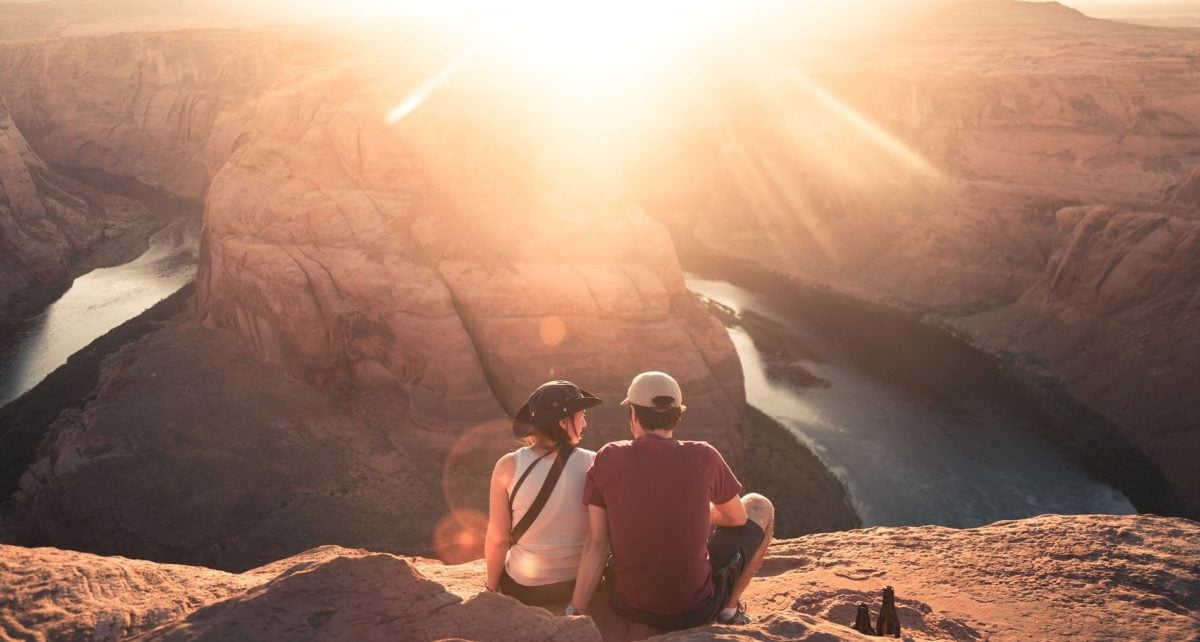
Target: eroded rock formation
<point x="44" y="220"/>
<point x="1046" y="578"/>
<point x="392" y="257"/>
<point x="166" y="109"/>
<point x="423" y="276"/>
<point x="459" y="257"/>
<point x="1011" y="192"/>
<point x="415" y="280"/>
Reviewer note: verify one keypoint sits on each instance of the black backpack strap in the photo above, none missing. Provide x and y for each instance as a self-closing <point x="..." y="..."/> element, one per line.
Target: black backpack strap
<point x="517" y="486"/>
<point x="539" y="502"/>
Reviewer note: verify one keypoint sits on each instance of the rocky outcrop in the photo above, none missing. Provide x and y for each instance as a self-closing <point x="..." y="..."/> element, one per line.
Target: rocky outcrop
<point x="413" y="287"/>
<point x="459" y="257"/>
<point x="1046" y="578"/>
<point x="52" y="594"/>
<point x="44" y="220"/>
<point x="163" y="112"/>
<point x="943" y="193"/>
<point x="341" y="590"/>
<point x="347" y="250"/>
<point x="1110" y="315"/>
<point x="1187" y="192"/>
<point x="187" y="448"/>
<point x="166" y="109"/>
<point x="165" y="440"/>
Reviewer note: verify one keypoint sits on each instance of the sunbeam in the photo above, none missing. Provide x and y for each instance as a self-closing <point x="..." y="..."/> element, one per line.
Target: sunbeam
<point x="860" y="124"/>
<point x="422" y="93"/>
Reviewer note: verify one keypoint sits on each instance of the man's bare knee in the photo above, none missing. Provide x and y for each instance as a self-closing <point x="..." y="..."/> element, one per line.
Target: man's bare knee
<point x="759" y="510"/>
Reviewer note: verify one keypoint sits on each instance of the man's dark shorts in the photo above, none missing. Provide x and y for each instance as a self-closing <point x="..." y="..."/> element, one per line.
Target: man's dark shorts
<point x="729" y="550"/>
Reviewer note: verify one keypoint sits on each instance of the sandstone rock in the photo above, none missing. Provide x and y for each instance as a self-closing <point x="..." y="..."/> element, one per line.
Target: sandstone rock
<point x="191" y="450"/>
<point x="377" y="257"/>
<point x="1046" y="578"/>
<point x="368" y="597"/>
<point x="939" y="192"/>
<point x="165" y="109"/>
<point x="1187" y="191"/>
<point x="1118" y="289"/>
<point x="332" y="238"/>
<point x="52" y="594"/>
<point x="400" y="267"/>
<point x="44" y="221"/>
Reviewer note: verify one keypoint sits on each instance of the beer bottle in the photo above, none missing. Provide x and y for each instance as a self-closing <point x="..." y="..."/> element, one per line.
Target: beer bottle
<point x="888" y="622"/>
<point x="862" y="622"/>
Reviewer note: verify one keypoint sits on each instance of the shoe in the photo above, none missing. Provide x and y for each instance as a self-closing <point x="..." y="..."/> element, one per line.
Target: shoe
<point x="740" y="618"/>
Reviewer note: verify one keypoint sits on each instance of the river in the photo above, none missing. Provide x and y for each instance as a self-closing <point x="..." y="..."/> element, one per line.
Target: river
<point x="919" y="427"/>
<point x="96" y="303"/>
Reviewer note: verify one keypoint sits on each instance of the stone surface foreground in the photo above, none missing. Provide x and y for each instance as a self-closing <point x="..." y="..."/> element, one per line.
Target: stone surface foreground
<point x="1046" y="578"/>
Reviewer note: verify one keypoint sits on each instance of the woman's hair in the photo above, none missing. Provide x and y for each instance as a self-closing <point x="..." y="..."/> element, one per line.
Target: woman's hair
<point x="553" y="433"/>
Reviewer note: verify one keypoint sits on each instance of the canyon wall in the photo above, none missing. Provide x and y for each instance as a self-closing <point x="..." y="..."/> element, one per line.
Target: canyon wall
<point x="404" y="257"/>
<point x="166" y="109"/>
<point x="372" y="299"/>
<point x="414" y="280"/>
<point x="1015" y="174"/>
<point x="442" y="258"/>
<point x="45" y="219"/>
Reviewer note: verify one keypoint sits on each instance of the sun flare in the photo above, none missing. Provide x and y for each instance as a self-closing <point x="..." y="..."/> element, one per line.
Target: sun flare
<point x="598" y="40"/>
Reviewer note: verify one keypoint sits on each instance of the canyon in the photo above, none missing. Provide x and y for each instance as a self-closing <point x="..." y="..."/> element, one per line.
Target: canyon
<point x="1020" y="175"/>
<point x="413" y="281"/>
<point x="375" y="294"/>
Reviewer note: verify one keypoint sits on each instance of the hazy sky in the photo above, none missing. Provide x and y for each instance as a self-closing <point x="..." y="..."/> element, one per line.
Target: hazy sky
<point x="445" y="7"/>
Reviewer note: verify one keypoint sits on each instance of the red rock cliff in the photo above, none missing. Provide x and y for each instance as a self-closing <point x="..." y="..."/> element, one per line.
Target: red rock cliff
<point x="931" y="171"/>
<point x="44" y="221"/>
<point x="459" y="257"/>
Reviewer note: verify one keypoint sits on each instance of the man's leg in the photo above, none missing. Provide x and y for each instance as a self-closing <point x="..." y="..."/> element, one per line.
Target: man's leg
<point x="761" y="511"/>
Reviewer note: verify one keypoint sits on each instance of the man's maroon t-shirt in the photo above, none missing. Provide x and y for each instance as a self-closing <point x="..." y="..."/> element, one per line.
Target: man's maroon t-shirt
<point x="657" y="492"/>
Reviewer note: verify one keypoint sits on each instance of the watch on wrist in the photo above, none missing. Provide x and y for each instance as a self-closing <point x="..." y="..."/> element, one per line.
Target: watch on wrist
<point x="570" y="610"/>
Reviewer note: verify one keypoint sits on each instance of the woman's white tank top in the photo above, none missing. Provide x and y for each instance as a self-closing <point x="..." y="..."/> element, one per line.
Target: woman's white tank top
<point x="549" y="551"/>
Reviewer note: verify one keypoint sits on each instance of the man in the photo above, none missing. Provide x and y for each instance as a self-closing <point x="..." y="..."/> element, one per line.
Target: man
<point x="654" y="500"/>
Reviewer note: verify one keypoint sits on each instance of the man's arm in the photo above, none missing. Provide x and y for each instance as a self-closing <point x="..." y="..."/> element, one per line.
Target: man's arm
<point x="731" y="513"/>
<point x="495" y="547"/>
<point x="595" y="554"/>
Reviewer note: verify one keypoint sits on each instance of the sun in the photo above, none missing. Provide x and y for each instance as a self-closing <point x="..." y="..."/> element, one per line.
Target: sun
<point x="599" y="40"/>
<point x="586" y="55"/>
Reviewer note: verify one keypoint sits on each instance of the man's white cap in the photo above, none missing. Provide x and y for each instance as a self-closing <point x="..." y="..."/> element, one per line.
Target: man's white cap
<point x="648" y="385"/>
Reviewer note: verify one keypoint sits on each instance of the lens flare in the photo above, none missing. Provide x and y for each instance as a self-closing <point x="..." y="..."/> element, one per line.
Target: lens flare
<point x="459" y="536"/>
<point x="466" y="475"/>
<point x="418" y="96"/>
<point x="552" y="330"/>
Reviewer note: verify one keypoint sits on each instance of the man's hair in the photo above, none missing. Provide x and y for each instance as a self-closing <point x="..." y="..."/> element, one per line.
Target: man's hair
<point x="661" y="417"/>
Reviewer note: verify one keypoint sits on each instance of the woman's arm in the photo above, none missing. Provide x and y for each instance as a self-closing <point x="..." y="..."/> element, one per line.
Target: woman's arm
<point x="495" y="546"/>
<point x="591" y="565"/>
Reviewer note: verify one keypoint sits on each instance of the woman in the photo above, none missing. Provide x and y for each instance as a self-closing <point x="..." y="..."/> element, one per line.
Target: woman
<point x="533" y="554"/>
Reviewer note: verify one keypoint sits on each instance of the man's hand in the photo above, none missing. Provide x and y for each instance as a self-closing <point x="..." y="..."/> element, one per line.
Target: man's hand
<point x="731" y="513"/>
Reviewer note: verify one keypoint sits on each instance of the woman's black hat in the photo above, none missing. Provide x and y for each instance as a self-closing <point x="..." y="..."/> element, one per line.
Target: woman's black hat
<point x="552" y="402"/>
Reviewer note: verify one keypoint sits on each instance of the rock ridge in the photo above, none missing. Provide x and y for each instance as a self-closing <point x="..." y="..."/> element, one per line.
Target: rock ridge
<point x="1052" y="577"/>
<point x="45" y="221"/>
<point x="1016" y="200"/>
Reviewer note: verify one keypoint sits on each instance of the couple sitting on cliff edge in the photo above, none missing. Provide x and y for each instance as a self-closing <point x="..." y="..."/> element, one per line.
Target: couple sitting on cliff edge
<point x="639" y="513"/>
